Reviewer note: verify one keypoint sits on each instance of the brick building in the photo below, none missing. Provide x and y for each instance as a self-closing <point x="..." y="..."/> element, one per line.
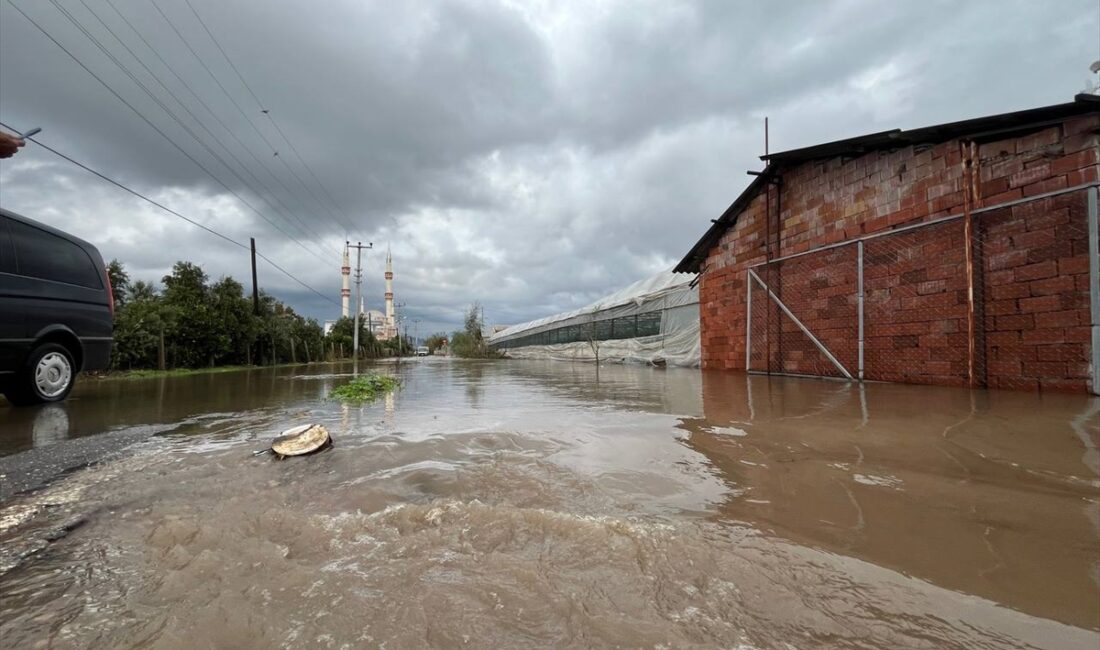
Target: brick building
<point x="959" y="254"/>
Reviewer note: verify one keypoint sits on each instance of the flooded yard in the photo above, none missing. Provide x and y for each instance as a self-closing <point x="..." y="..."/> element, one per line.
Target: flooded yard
<point x="542" y="504"/>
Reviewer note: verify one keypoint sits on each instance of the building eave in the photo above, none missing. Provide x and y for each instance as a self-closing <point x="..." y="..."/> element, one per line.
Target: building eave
<point x="693" y="261"/>
<point x="989" y="127"/>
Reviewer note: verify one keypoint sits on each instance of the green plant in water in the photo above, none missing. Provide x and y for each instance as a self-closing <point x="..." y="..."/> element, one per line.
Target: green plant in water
<point x="364" y="387"/>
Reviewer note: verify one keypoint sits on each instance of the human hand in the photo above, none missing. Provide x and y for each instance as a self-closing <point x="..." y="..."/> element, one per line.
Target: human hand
<point x="9" y="144"/>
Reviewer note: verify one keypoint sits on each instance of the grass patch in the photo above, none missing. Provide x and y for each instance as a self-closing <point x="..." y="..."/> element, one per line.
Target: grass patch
<point x="364" y="388"/>
<point x="184" y="372"/>
<point x="175" y="372"/>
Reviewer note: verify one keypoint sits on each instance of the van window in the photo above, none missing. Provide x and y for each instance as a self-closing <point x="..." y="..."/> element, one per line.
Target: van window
<point x="7" y="256"/>
<point x="46" y="256"/>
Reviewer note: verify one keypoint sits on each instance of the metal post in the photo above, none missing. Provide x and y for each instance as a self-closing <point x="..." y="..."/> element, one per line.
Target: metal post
<point x="748" y="320"/>
<point x="1094" y="285"/>
<point x="358" y="298"/>
<point x="859" y="302"/>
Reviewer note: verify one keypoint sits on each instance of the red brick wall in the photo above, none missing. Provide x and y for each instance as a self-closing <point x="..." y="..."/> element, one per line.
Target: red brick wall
<point x="1031" y="266"/>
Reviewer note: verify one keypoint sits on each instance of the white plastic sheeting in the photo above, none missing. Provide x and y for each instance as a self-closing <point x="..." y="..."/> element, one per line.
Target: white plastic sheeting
<point x="669" y="294"/>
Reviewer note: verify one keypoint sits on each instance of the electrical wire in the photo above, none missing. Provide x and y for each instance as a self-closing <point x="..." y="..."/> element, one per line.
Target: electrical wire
<point x="266" y="112"/>
<point x="95" y="41"/>
<point x="147" y="120"/>
<point x="285" y="211"/>
<point x="224" y="90"/>
<point x="172" y="212"/>
<point x="232" y="134"/>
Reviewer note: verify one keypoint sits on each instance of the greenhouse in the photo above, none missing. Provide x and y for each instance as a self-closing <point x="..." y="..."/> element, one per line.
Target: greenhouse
<point x="655" y="321"/>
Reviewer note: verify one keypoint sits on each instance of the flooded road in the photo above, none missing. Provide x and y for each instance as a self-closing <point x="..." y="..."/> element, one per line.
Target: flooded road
<point x="542" y="504"/>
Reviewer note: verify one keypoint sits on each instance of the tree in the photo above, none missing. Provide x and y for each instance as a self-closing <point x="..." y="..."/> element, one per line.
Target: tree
<point x="195" y="339"/>
<point x="236" y="325"/>
<point x="469" y="342"/>
<point x="203" y="324"/>
<point x="120" y="282"/>
<point x="344" y="329"/>
<point x="474" y="324"/>
<point x="436" y="341"/>
<point x="139" y="323"/>
<point x="591" y="336"/>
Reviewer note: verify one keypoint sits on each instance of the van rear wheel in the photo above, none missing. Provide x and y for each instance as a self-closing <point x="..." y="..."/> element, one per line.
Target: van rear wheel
<point x="47" y="376"/>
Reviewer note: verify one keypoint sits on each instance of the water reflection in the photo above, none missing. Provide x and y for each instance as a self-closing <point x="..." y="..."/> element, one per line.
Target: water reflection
<point x="50" y="425"/>
<point x="982" y="492"/>
<point x="101" y="405"/>
<point x="643" y="476"/>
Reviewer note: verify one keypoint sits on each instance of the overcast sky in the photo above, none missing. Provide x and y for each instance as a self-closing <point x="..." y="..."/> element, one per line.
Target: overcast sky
<point x="532" y="156"/>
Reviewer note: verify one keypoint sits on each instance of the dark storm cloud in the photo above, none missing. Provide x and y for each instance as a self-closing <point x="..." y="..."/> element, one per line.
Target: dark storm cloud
<point x="530" y="155"/>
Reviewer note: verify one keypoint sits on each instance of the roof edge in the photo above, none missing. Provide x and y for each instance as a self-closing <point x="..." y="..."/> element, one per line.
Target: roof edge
<point x="858" y="145"/>
<point x="693" y="261"/>
<point x="1082" y="104"/>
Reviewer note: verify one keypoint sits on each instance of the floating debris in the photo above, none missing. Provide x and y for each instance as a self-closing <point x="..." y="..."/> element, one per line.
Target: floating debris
<point x="299" y="441"/>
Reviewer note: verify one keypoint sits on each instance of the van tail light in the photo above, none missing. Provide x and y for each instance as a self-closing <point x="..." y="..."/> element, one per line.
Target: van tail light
<point x="110" y="292"/>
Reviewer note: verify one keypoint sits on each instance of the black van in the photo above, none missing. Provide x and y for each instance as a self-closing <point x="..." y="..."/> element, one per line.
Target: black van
<point x="56" y="310"/>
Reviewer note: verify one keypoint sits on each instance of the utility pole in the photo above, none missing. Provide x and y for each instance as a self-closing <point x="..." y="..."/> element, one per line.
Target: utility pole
<point x="255" y="291"/>
<point x="358" y="294"/>
<point x="416" y="332"/>
<point x="396" y="325"/>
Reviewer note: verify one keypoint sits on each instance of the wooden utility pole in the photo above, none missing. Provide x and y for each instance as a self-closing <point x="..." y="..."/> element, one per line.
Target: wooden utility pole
<point x="255" y="290"/>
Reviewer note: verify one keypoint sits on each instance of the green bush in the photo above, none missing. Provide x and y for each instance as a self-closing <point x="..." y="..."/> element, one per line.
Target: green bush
<point x="365" y="388"/>
<point x="469" y="342"/>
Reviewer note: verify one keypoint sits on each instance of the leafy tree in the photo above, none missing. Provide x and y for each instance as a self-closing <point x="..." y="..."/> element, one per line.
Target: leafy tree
<point x="236" y="325"/>
<point x="474" y="324"/>
<point x="196" y="340"/>
<point x="436" y="341"/>
<point x="213" y="324"/>
<point x="344" y="329"/>
<point x="138" y="326"/>
<point x="470" y="342"/>
<point x="120" y="282"/>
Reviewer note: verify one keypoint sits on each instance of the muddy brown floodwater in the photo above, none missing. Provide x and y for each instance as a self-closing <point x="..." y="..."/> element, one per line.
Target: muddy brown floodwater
<point x="531" y="504"/>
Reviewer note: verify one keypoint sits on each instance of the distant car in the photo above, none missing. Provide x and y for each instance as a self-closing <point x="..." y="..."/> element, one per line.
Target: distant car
<point x="56" y="310"/>
<point x="422" y="351"/>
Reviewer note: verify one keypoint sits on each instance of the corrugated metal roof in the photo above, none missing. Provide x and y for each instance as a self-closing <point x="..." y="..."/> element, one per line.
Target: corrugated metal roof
<point x="993" y="126"/>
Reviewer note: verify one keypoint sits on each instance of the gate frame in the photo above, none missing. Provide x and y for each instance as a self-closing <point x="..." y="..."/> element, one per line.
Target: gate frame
<point x="820" y="346"/>
<point x="1092" y="191"/>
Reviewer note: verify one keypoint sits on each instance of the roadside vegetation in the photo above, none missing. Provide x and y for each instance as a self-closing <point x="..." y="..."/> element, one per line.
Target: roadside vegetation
<point x="190" y="322"/>
<point x="436" y="341"/>
<point x="470" y="342"/>
<point x="364" y="388"/>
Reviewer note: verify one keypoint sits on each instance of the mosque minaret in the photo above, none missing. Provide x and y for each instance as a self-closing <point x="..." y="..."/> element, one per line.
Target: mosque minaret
<point x="391" y="325"/>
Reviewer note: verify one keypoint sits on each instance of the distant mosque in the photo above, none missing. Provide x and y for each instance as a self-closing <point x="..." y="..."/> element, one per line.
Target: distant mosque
<point x="383" y="326"/>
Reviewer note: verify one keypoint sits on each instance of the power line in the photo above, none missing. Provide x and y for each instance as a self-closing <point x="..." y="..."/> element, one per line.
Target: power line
<point x="271" y="118"/>
<point x="145" y="119"/>
<point x="172" y="212"/>
<point x="286" y="213"/>
<point x="232" y="133"/>
<point x="180" y="122"/>
<point x="225" y="91"/>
